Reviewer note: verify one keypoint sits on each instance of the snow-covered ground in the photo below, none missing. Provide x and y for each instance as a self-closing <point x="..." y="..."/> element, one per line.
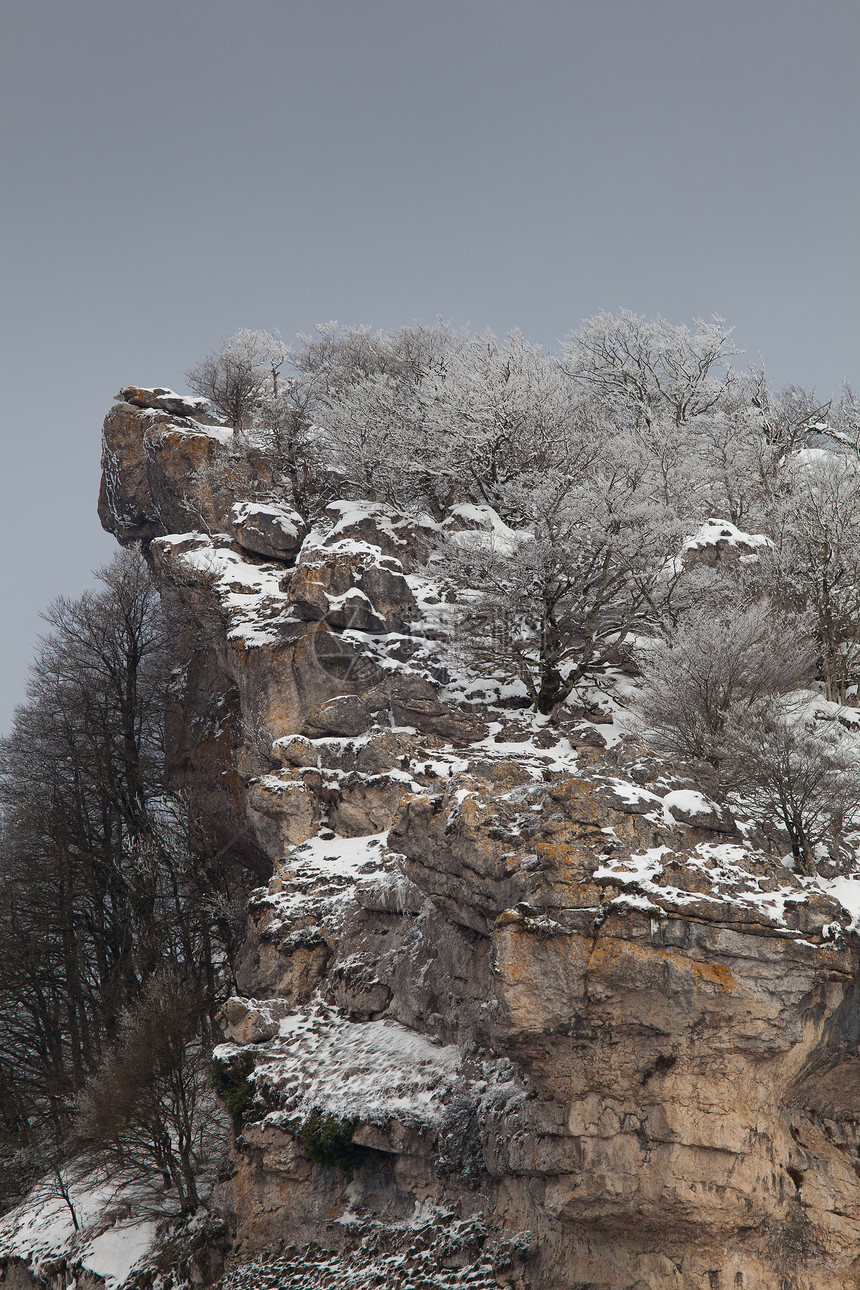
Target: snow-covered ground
<point x="41" y="1231"/>
<point x="433" y="1250"/>
<point x="729" y="872"/>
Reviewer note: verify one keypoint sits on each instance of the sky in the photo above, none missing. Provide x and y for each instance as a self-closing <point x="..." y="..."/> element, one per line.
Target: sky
<point x="173" y="170"/>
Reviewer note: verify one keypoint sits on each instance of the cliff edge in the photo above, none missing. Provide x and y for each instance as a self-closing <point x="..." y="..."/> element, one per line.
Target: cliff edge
<point x="520" y="1006"/>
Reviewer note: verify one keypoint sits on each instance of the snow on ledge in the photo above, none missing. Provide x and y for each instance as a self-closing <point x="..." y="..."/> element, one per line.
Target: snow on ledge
<point x="373" y="1071"/>
<point x="716" y="531"/>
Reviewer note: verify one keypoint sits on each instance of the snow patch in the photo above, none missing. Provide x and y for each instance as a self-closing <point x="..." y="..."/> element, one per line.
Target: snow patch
<point x="115" y="1254"/>
<point x="373" y="1071"/>
<point x="40" y="1230"/>
<point x="847" y="891"/>
<point x="716" y="531"/>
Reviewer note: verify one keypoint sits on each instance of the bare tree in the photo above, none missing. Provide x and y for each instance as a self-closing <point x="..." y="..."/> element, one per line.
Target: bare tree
<point x="105" y="873"/>
<point x="646" y="367"/>
<point x="553" y="600"/>
<point x="237" y="375"/>
<point x="149" y="1113"/>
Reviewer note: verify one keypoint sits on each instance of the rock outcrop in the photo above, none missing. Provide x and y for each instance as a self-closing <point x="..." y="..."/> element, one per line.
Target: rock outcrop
<point x="578" y="1028"/>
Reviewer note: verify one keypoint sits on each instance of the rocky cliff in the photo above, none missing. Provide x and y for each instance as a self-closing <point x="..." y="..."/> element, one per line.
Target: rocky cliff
<point x="586" y="1030"/>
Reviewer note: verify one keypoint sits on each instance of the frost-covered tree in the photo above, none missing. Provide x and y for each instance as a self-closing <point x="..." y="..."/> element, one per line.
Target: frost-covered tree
<point x="845" y="423"/>
<point x="285" y="432"/>
<point x="815" y="561"/>
<point x="354" y="395"/>
<point x="738" y="465"/>
<point x="645" y="368"/>
<point x="335" y="358"/>
<point x="236" y="376"/>
<point x="502" y="412"/>
<point x="789" y="415"/>
<point x="793" y="768"/>
<point x="367" y="437"/>
<point x="553" y="601"/>
<point x="665" y="466"/>
<point x="457" y="428"/>
<point x="429" y="418"/>
<point x="715" y="664"/>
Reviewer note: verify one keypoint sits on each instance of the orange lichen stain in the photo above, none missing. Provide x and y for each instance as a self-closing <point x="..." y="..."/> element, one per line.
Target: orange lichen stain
<point x="558" y="854"/>
<point x="611" y="954"/>
<point x="715" y="973"/>
<point x="243" y="1189"/>
<point x="236" y="787"/>
<point x="522" y="956"/>
<point x="517" y="965"/>
<point x="508" y="916"/>
<point x="521" y="953"/>
<point x="582" y="794"/>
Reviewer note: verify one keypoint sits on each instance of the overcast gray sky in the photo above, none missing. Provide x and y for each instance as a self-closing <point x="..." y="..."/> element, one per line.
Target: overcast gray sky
<point x="175" y="169"/>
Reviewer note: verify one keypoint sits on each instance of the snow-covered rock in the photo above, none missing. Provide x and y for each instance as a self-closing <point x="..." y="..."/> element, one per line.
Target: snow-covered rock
<point x="265" y="529"/>
<point x="547" y="984"/>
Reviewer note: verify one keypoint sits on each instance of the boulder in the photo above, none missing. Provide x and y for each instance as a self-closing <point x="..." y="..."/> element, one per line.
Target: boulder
<point x="252" y="1021"/>
<point x="166" y="400"/>
<point x="269" y="530"/>
<point x="406" y="538"/>
<point x="165" y="474"/>
<point x="414" y="701"/>
<point x="285" y="811"/>
<point x="353" y="587"/>
<point x="345" y="716"/>
<point x="719" y="541"/>
<point x="691" y="807"/>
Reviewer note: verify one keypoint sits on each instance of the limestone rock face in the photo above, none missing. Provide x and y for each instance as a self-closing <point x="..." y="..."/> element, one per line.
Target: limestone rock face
<point x="352" y="588"/>
<point x="404" y="701"/>
<point x="589" y="1032"/>
<point x="163" y="473"/>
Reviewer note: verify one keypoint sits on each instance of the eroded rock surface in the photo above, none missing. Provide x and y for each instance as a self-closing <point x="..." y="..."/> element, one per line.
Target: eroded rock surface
<point x="588" y="1030"/>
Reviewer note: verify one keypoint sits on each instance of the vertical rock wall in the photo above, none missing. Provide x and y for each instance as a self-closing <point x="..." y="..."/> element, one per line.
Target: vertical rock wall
<point x="584" y="1033"/>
